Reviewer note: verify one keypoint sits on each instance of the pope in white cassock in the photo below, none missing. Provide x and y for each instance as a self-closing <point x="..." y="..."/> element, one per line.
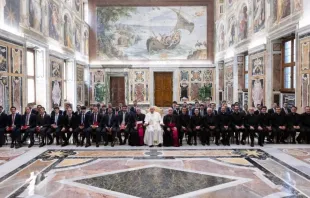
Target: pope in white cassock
<point x="153" y="133"/>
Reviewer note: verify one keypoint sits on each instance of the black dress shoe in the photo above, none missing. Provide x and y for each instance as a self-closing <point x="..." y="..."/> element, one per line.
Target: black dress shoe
<point x="203" y="144"/>
<point x="87" y="145"/>
<point x="97" y="145"/>
<point x="151" y="146"/>
<point x="195" y="143"/>
<point x="112" y="144"/>
<point x="12" y="145"/>
<point x="237" y="142"/>
<point x="242" y="142"/>
<point x="228" y="144"/>
<point x="17" y="146"/>
<point x="30" y="145"/>
<point x="82" y="144"/>
<point x="252" y="144"/>
<point x="208" y="143"/>
<point x="64" y="144"/>
<point x="50" y="143"/>
<point x="217" y="144"/>
<point x="42" y="144"/>
<point x="57" y="143"/>
<point x="160" y="145"/>
<point x="106" y="144"/>
<point x="0" y="145"/>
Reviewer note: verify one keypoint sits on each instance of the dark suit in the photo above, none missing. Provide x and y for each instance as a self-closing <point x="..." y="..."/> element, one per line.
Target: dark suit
<point x="264" y="121"/>
<point x="128" y="122"/>
<point x="252" y="120"/>
<point x="212" y="121"/>
<point x="44" y="123"/>
<point x="238" y="121"/>
<point x="68" y="123"/>
<point x="225" y="120"/>
<point x="184" y="121"/>
<point x="15" y="133"/>
<point x="293" y="119"/>
<point x="53" y="113"/>
<point x="285" y="111"/>
<point x="3" y="124"/>
<point x="277" y="121"/>
<point x="134" y="139"/>
<point x="271" y="111"/>
<point x="32" y="123"/>
<point x="177" y="112"/>
<point x="168" y="136"/>
<point x="59" y="124"/>
<point x="109" y="121"/>
<point x="82" y="122"/>
<point x="305" y="128"/>
<point x="94" y="131"/>
<point x="195" y="121"/>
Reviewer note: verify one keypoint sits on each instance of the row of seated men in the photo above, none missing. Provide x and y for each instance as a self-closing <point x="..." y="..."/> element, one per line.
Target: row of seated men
<point x="96" y="125"/>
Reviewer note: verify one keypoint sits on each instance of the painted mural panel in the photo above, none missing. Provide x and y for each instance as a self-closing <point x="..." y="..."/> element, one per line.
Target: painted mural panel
<point x="305" y="55"/>
<point x="232" y="33"/>
<point x="56" y="92"/>
<point x="259" y="15"/>
<point x="68" y="32"/>
<point x="195" y="91"/>
<point x="221" y="39"/>
<point x="258" y="66"/>
<point x="257" y="92"/>
<point x="54" y="20"/>
<point x="56" y="67"/>
<point x="79" y="93"/>
<point x="282" y="9"/>
<point x="297" y="5"/>
<point x="12" y="13"/>
<point x="139" y="92"/>
<point x="17" y="94"/>
<point x="35" y="15"/>
<point x="3" y="58"/>
<point x="78" y="5"/>
<point x="243" y="23"/>
<point x="99" y="92"/>
<point x="16" y="61"/>
<point x="151" y="33"/>
<point x="78" y="37"/>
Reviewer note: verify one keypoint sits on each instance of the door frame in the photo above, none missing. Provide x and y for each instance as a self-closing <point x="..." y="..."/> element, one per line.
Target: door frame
<point x="117" y="74"/>
<point x="174" y="72"/>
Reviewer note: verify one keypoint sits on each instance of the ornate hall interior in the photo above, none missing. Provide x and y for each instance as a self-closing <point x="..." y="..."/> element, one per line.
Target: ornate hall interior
<point x="154" y="98"/>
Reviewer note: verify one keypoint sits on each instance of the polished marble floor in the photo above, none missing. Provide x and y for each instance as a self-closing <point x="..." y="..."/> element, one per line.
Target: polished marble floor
<point x="237" y="171"/>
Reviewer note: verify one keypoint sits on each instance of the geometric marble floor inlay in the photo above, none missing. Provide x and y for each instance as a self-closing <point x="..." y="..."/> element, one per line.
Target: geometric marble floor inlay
<point x="155" y="182"/>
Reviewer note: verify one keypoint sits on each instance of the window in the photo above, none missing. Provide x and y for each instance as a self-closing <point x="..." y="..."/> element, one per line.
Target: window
<point x="31" y="76"/>
<point x="85" y="12"/>
<point x="246" y="72"/>
<point x="288" y="65"/>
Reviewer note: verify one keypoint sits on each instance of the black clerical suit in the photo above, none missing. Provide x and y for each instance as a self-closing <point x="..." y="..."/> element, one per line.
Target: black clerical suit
<point x="134" y="136"/>
<point x="58" y="121"/>
<point x="70" y="123"/>
<point x="293" y="120"/>
<point x="168" y="136"/>
<point x="43" y="125"/>
<point x="15" y="120"/>
<point x="184" y="126"/>
<point x="94" y="119"/>
<point x="3" y="120"/>
<point x="251" y="122"/>
<point x="265" y="122"/>
<point x="225" y="120"/>
<point x="305" y="128"/>
<point x="237" y="120"/>
<point x="177" y="111"/>
<point x="211" y="126"/>
<point x="285" y="111"/>
<point x="83" y="125"/>
<point x="196" y="120"/>
<point x="30" y="121"/>
<point x="109" y="121"/>
<point x="271" y="111"/>
<point x="277" y="121"/>
<point x="126" y="119"/>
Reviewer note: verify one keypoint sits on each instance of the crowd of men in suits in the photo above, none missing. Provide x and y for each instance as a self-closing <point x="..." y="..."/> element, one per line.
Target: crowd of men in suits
<point x="193" y="121"/>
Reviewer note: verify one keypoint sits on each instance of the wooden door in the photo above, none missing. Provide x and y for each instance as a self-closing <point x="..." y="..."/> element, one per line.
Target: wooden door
<point x="163" y="89"/>
<point x="117" y="90"/>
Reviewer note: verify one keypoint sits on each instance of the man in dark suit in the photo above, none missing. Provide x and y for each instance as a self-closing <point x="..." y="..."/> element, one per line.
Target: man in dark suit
<point x="285" y="110"/>
<point x="238" y="123"/>
<point x="293" y="123"/>
<point x="109" y="125"/>
<point x="196" y="126"/>
<point x="125" y="125"/>
<point x="259" y="109"/>
<point x="213" y="107"/>
<point x="264" y="126"/>
<point x="177" y="110"/>
<point x="305" y="126"/>
<point x="211" y="126"/>
<point x="82" y="122"/>
<point x="3" y="120"/>
<point x="136" y="135"/>
<point x="184" y="124"/>
<point x="251" y="123"/>
<point x="69" y="125"/>
<point x="43" y="124"/>
<point x="94" y="127"/>
<point x="14" y="123"/>
<point x="273" y="109"/>
<point x="56" y="126"/>
<point x="59" y="111"/>
<point x="225" y="126"/>
<point x="78" y="110"/>
<point x="279" y="128"/>
<point x="202" y="110"/>
<point x="29" y="124"/>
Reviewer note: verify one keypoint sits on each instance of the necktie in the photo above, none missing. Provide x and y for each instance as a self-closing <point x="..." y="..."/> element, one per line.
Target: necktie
<point x="123" y="122"/>
<point x="27" y="120"/>
<point x="82" y="121"/>
<point x="95" y="117"/>
<point x="13" y="119"/>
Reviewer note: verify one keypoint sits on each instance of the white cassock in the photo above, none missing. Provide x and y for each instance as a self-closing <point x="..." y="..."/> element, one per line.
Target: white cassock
<point x="154" y="132"/>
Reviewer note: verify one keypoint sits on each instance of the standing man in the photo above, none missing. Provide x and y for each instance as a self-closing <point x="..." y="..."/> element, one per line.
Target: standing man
<point x="211" y="126"/>
<point x="3" y="124"/>
<point x="153" y="133"/>
<point x="171" y="137"/>
<point x="14" y="123"/>
<point x="109" y="125"/>
<point x="28" y="126"/>
<point x="94" y="129"/>
<point x="184" y="124"/>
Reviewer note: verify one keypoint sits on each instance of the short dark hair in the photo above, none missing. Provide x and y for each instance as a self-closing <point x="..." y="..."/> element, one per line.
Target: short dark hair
<point x="13" y="107"/>
<point x="264" y="107"/>
<point x="83" y="108"/>
<point x="174" y="102"/>
<point x="294" y="107"/>
<point x="56" y="108"/>
<point x="1" y="107"/>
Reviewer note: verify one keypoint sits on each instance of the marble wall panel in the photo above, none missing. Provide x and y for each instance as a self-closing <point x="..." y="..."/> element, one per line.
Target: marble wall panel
<point x="228" y="82"/>
<point x="80" y="84"/>
<point x="304" y="62"/>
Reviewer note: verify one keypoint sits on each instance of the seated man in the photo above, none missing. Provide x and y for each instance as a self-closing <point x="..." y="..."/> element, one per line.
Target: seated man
<point x="171" y="137"/>
<point x="14" y="123"/>
<point x="196" y="126"/>
<point x="305" y="127"/>
<point x="293" y="123"/>
<point x="264" y="126"/>
<point x="184" y="124"/>
<point x="3" y="124"/>
<point x="279" y="126"/>
<point x="153" y="133"/>
<point x="83" y="125"/>
<point x="28" y="126"/>
<point x="225" y="126"/>
<point x="56" y="126"/>
<point x="211" y="126"/>
<point x="238" y="123"/>
<point x="251" y="124"/>
<point x="94" y="128"/>
<point x="125" y="125"/>
<point x="109" y="125"/>
<point x="137" y="134"/>
<point x="43" y="124"/>
<point x="69" y="125"/>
